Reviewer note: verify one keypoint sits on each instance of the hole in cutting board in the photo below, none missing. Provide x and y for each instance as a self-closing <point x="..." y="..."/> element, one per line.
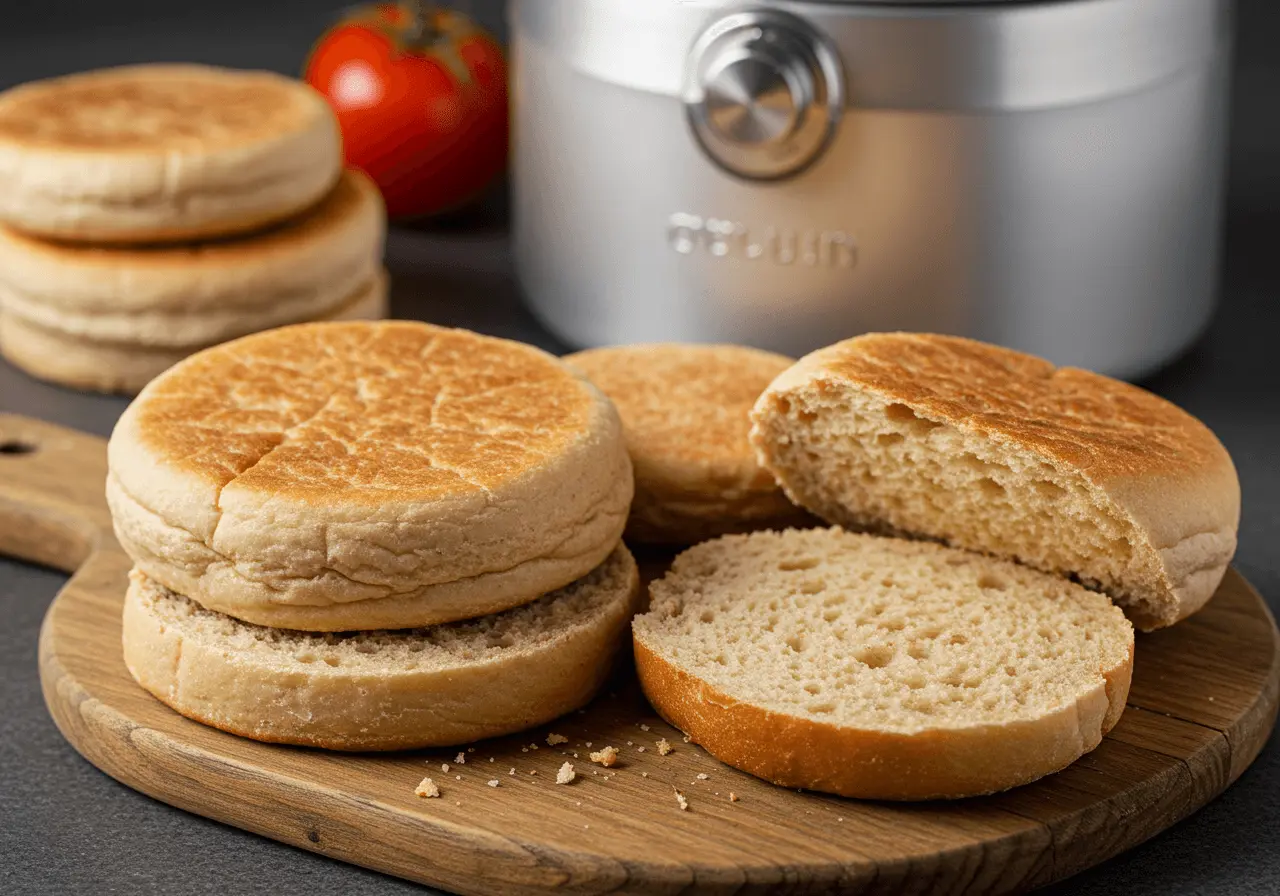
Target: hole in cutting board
<point x="17" y="446"/>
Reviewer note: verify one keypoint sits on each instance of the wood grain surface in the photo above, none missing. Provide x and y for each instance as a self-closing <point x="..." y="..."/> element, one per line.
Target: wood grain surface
<point x="1203" y="702"/>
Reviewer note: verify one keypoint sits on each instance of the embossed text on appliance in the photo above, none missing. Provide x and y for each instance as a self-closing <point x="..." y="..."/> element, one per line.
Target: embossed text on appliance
<point x="691" y="234"/>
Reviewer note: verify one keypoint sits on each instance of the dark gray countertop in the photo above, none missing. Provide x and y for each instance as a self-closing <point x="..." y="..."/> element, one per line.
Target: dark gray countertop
<point x="66" y="828"/>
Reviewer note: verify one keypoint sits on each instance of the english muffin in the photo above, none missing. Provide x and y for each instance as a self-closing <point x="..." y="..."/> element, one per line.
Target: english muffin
<point x="685" y="411"/>
<point x="1000" y="452"/>
<point x="384" y="690"/>
<point x="881" y="668"/>
<point x="335" y="477"/>
<point x="84" y="363"/>
<point x="148" y="153"/>
<point x="195" y="295"/>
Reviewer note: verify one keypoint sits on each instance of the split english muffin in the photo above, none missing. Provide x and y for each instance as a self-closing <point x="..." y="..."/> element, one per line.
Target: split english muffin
<point x="83" y="363"/>
<point x="354" y="476"/>
<point x="382" y="690"/>
<point x="880" y="668"/>
<point x="1002" y="453"/>
<point x="685" y="411"/>
<point x="176" y="296"/>
<point x="151" y="153"/>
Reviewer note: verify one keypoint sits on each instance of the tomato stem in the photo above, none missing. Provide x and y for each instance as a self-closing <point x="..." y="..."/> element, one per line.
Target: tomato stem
<point x="420" y="31"/>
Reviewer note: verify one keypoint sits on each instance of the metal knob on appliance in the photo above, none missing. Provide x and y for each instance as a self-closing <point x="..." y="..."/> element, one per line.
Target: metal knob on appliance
<point x="764" y="91"/>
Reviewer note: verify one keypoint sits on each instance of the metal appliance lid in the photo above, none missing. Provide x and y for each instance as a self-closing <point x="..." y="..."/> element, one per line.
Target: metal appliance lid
<point x="947" y="55"/>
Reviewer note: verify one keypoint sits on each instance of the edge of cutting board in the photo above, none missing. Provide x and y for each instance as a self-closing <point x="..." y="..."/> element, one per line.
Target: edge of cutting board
<point x="1202" y="705"/>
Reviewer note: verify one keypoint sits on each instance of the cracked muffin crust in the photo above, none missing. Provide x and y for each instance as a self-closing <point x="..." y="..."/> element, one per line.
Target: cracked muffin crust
<point x="332" y="477"/>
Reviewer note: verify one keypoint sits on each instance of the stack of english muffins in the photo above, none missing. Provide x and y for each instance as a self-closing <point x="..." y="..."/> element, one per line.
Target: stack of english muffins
<point x="151" y="211"/>
<point x="372" y="536"/>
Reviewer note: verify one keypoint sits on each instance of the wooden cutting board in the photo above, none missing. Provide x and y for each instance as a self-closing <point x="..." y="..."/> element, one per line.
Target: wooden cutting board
<point x="1203" y="702"/>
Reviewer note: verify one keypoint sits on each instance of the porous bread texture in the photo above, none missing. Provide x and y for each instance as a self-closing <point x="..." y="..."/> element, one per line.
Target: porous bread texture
<point x="192" y="296"/>
<point x="880" y="668"/>
<point x="121" y="367"/>
<point x="334" y="477"/>
<point x="1000" y="452"/>
<point x="153" y="153"/>
<point x="685" y="412"/>
<point x="388" y="690"/>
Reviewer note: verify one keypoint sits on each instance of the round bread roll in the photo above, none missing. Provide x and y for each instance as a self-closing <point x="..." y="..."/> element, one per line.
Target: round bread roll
<point x="152" y="153"/>
<point x="686" y="413"/>
<point x="1000" y="452"/>
<point x="82" y="363"/>
<point x="200" y="294"/>
<point x="340" y="477"/>
<point x="880" y="668"/>
<point x="387" y="690"/>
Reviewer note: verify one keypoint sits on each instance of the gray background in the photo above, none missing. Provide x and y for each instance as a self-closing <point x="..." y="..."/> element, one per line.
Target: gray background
<point x="66" y="828"/>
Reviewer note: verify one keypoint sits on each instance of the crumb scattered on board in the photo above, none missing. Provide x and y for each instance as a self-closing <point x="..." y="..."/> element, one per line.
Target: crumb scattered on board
<point x="687" y="738"/>
<point x="606" y="756"/>
<point x="566" y="774"/>
<point x="444" y="767"/>
<point x="512" y="772"/>
<point x="641" y="749"/>
<point x="644" y="727"/>
<point x="663" y="747"/>
<point x="460" y="759"/>
<point x="733" y="797"/>
<point x="426" y="789"/>
<point x="493" y="782"/>
<point x="702" y="776"/>
<point x="553" y="739"/>
<point x="684" y="803"/>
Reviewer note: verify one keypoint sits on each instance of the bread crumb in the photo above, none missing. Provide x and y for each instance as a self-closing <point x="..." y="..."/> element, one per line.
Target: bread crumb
<point x="459" y="777"/>
<point x="524" y="749"/>
<point x="631" y="743"/>
<point x="534" y="772"/>
<point x="733" y="797"/>
<point x="460" y="759"/>
<point x="687" y="738"/>
<point x="533" y="746"/>
<point x="494" y="782"/>
<point x="594" y="772"/>
<point x="841" y="818"/>
<point x="426" y="789"/>
<point x="471" y="749"/>
<point x="566" y="773"/>
<point x="444" y="767"/>
<point x="587" y="744"/>
<point x="642" y="749"/>
<point x="457" y="802"/>
<point x="553" y="739"/>
<point x="644" y="727"/>
<point x="684" y="803"/>
<point x="512" y="772"/>
<point x="491" y="759"/>
<point x="702" y="776"/>
<point x="606" y="757"/>
<point x="663" y="747"/>
<point x="644" y="774"/>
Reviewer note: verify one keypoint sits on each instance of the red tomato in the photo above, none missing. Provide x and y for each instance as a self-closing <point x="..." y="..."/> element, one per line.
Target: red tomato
<point x="423" y="110"/>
